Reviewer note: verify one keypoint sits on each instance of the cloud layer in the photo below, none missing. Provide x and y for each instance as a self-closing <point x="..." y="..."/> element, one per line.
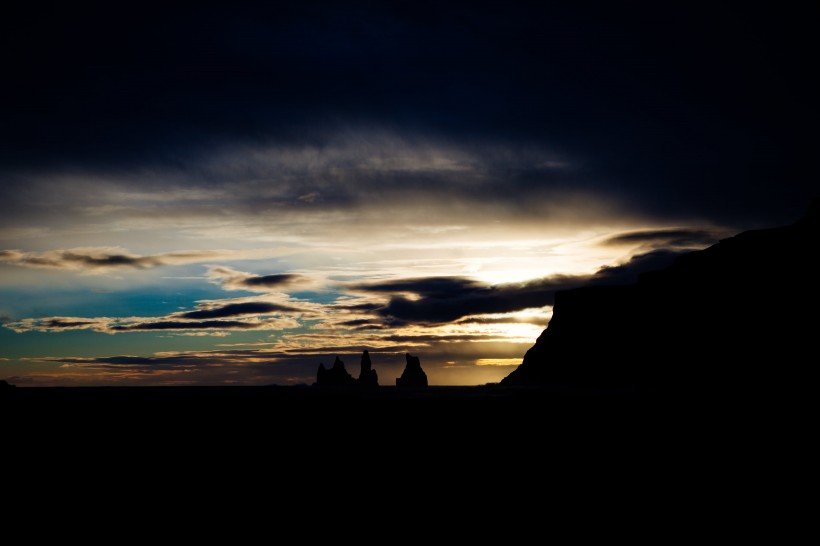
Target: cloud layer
<point x="669" y="128"/>
<point x="464" y="327"/>
<point x="440" y="309"/>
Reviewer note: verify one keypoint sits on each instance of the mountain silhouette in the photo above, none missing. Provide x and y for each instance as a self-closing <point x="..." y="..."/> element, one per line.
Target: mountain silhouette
<point x="741" y="313"/>
<point x="413" y="375"/>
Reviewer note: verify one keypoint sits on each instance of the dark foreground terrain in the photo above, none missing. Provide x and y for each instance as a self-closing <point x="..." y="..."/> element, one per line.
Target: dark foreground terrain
<point x="311" y="408"/>
<point x="522" y="458"/>
<point x="492" y="412"/>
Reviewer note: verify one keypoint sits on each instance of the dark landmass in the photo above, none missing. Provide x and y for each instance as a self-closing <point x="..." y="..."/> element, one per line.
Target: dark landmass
<point x="452" y="443"/>
<point x="395" y="414"/>
<point x="739" y="314"/>
<point x="290" y="408"/>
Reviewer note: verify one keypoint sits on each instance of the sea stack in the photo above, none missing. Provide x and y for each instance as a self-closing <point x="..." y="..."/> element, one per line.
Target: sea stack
<point x="335" y="376"/>
<point x="367" y="375"/>
<point x="413" y="375"/>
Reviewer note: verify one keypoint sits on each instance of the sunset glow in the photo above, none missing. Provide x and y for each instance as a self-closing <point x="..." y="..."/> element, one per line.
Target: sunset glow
<point x="236" y="196"/>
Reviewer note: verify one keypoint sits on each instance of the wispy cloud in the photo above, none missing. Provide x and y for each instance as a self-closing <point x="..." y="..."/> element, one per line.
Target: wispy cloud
<point x="231" y="279"/>
<point x="110" y="325"/>
<point x="536" y="320"/>
<point x="247" y="324"/>
<point x="103" y="259"/>
<point x="59" y="324"/>
<point x="666" y="238"/>
<point x="236" y="310"/>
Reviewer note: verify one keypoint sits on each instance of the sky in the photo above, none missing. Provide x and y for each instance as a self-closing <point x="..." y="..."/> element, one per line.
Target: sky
<point x="237" y="192"/>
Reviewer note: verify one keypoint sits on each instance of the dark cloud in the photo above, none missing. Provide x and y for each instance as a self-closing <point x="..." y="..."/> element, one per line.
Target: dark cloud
<point x="57" y="323"/>
<point x="665" y="237"/>
<point x="72" y="260"/>
<point x="475" y="301"/>
<point x="356" y="322"/>
<point x="370" y="327"/>
<point x="235" y="310"/>
<point x="271" y="281"/>
<point x="185" y="325"/>
<point x="180" y="360"/>
<point x="157" y="362"/>
<point x="231" y="279"/>
<point x="358" y="307"/>
<point x="439" y="300"/>
<point x="91" y="259"/>
<point x="110" y="260"/>
<point x="537" y="321"/>
<point x="363" y="324"/>
<point x="144" y="324"/>
<point x="430" y="287"/>
<point x="673" y="108"/>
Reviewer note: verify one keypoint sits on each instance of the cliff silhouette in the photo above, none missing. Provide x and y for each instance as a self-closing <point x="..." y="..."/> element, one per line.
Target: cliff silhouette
<point x="741" y="313"/>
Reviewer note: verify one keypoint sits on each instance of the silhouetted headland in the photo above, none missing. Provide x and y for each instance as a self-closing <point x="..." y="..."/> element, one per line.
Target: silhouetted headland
<point x="740" y="313"/>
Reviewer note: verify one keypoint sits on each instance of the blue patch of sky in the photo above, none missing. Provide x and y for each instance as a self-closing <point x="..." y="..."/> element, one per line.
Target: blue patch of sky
<point x="142" y="302"/>
<point x="316" y="297"/>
